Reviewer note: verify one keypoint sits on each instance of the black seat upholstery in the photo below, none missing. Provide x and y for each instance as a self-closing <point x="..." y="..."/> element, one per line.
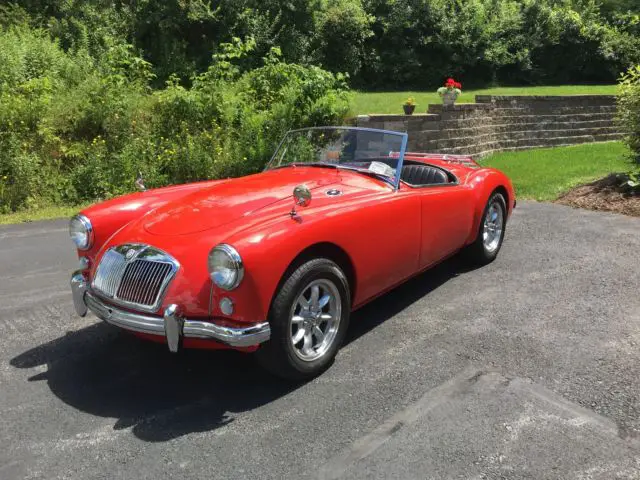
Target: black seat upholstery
<point x="423" y="175"/>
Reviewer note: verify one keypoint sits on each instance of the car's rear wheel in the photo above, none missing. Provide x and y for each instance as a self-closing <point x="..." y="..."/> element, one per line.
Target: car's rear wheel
<point x="491" y="232"/>
<point x="309" y="318"/>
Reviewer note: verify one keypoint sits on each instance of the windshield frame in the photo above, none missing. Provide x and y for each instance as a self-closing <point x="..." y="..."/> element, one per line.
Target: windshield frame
<point x="403" y="148"/>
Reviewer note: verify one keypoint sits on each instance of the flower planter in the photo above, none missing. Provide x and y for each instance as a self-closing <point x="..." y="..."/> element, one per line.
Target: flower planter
<point x="450" y="91"/>
<point x="449" y="98"/>
<point x="409" y="109"/>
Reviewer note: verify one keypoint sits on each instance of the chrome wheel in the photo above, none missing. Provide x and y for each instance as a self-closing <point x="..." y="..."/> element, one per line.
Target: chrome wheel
<point x="493" y="225"/>
<point x="315" y="318"/>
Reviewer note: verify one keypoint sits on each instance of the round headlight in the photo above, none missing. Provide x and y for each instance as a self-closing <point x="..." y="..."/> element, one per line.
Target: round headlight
<point x="81" y="232"/>
<point x="225" y="267"/>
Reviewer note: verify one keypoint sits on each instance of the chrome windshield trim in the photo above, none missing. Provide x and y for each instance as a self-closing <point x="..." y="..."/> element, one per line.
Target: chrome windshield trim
<point x="251" y="335"/>
<point x="403" y="149"/>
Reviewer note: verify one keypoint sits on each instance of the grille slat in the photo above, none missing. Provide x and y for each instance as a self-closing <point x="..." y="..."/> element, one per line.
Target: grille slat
<point x="128" y="282"/>
<point x="142" y="272"/>
<point x="147" y="289"/>
<point x="139" y="281"/>
<point x="156" y="278"/>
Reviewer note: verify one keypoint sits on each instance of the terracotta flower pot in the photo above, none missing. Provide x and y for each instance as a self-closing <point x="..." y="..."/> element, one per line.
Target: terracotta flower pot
<point x="408" y="109"/>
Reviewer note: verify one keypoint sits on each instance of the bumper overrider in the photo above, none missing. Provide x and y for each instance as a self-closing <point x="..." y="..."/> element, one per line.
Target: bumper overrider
<point x="173" y="326"/>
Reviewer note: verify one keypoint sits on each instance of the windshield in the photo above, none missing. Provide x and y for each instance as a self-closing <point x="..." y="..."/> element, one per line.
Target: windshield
<point x="377" y="153"/>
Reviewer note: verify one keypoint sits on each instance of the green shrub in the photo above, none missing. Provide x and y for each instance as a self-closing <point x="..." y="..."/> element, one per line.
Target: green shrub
<point x="380" y="43"/>
<point x="76" y="130"/>
<point x="629" y="109"/>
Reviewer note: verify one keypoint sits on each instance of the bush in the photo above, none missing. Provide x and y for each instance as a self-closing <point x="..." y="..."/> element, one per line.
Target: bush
<point x="75" y="130"/>
<point x="629" y="109"/>
<point x="382" y="43"/>
<point x="341" y="29"/>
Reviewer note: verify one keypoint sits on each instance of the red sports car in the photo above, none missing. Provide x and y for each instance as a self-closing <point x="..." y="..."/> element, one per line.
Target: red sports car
<point x="274" y="263"/>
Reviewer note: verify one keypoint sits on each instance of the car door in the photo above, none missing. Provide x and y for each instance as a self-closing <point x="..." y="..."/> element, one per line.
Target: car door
<point x="446" y="220"/>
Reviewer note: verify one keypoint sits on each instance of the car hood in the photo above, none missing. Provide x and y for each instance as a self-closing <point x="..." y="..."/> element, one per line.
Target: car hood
<point x="230" y="200"/>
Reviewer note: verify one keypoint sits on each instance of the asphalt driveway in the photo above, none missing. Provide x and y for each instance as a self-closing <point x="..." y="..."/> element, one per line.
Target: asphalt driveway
<point x="527" y="368"/>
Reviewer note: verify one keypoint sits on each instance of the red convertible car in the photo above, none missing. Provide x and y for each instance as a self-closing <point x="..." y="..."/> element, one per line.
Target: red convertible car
<point x="274" y="263"/>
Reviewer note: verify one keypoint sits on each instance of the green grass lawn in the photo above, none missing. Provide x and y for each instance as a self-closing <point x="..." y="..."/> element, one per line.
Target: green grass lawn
<point x="543" y="174"/>
<point x="391" y="102"/>
<point x="46" y="213"/>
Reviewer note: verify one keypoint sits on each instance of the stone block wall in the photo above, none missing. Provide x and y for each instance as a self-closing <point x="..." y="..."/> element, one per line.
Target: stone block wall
<point x="505" y="123"/>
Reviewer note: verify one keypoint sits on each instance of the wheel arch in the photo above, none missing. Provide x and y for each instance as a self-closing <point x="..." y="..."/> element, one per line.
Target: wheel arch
<point x="493" y="182"/>
<point x="327" y="250"/>
<point x="503" y="191"/>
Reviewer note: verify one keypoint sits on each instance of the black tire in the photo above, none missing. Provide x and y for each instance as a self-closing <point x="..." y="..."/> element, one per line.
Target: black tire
<point x="478" y="253"/>
<point x="277" y="355"/>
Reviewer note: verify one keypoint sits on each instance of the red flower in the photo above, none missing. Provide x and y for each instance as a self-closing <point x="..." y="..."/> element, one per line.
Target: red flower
<point x="451" y="83"/>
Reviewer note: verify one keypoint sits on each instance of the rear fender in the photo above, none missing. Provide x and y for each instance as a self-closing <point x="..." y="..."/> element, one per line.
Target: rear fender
<point x="484" y="183"/>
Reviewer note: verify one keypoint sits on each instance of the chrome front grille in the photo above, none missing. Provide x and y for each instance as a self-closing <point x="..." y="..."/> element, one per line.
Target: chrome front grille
<point x="109" y="273"/>
<point x="135" y="276"/>
<point x="142" y="280"/>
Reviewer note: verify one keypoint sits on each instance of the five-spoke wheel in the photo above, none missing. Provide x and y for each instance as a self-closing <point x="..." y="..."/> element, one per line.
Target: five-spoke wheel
<point x="493" y="225"/>
<point x="491" y="232"/>
<point x="308" y="318"/>
<point x="315" y="318"/>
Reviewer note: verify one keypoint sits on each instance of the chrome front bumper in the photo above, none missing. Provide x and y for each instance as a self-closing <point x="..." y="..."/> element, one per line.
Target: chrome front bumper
<point x="172" y="325"/>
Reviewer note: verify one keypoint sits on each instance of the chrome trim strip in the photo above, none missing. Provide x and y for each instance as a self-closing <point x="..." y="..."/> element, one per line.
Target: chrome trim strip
<point x="403" y="149"/>
<point x="236" y="337"/>
<point x="120" y="318"/>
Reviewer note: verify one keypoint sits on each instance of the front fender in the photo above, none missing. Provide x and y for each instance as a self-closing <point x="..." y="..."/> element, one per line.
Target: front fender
<point x="110" y="216"/>
<point x="376" y="236"/>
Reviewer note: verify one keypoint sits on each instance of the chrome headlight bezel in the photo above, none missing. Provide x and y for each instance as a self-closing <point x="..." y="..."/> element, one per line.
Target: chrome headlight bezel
<point x="225" y="257"/>
<point x="79" y="226"/>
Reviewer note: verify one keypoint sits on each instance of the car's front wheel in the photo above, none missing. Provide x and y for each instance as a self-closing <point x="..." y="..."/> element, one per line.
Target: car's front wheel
<point x="309" y="318"/>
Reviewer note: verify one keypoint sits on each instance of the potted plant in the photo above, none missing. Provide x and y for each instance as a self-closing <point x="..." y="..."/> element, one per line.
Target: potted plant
<point x="450" y="91"/>
<point x="409" y="106"/>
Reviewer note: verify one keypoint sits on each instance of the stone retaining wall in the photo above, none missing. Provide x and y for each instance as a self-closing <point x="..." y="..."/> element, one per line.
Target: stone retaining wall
<point x="503" y="123"/>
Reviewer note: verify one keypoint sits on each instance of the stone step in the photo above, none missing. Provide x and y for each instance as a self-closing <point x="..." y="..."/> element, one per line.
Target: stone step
<point x="526" y="143"/>
<point x="523" y="134"/>
<point x="568" y="118"/>
<point x="553" y="110"/>
<point x="515" y="127"/>
<point x="575" y="100"/>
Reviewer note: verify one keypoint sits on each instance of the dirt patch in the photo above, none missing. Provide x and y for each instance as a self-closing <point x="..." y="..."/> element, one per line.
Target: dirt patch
<point x="609" y="194"/>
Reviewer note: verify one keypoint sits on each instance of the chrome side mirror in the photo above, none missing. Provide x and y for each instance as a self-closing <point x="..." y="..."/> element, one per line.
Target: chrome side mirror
<point x="140" y="183"/>
<point x="302" y="196"/>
